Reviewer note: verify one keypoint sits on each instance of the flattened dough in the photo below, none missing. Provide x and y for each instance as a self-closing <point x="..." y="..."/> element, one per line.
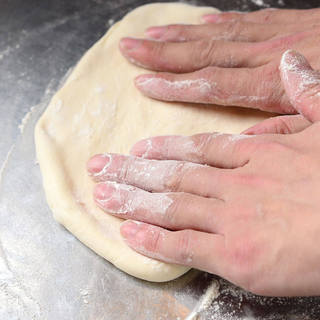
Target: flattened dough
<point x="99" y="110"/>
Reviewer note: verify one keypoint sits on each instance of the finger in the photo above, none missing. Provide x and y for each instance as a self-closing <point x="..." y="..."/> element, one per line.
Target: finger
<point x="159" y="176"/>
<point x="186" y="247"/>
<point x="182" y="57"/>
<point x="222" y="16"/>
<point x="176" y="211"/>
<point x="257" y="88"/>
<point x="279" y="125"/>
<point x="264" y="16"/>
<point x="235" y="30"/>
<point x="302" y="84"/>
<point x="219" y="150"/>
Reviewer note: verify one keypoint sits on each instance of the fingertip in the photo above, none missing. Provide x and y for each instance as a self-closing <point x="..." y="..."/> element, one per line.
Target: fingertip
<point x="129" y="230"/>
<point x="250" y="131"/>
<point x="219" y="17"/>
<point x="102" y="191"/>
<point x="141" y="79"/>
<point x="211" y="18"/>
<point x="145" y="82"/>
<point x="156" y="32"/>
<point x="121" y="43"/>
<point x="96" y="163"/>
<point x="128" y="44"/>
<point x="140" y="148"/>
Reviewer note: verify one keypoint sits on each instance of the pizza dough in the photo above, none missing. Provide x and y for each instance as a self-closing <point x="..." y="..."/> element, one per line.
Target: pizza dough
<point x="99" y="110"/>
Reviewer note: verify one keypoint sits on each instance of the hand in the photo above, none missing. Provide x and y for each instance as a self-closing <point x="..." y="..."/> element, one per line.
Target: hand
<point x="231" y="60"/>
<point x="243" y="207"/>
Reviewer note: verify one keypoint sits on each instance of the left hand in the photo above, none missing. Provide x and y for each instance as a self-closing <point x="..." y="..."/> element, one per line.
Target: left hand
<point x="231" y="60"/>
<point x="245" y="207"/>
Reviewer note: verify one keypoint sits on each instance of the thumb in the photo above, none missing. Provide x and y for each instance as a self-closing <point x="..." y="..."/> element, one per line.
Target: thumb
<point x="302" y="84"/>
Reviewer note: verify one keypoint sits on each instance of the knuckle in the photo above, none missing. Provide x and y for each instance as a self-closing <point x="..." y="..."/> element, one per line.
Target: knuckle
<point x="234" y="28"/>
<point x="175" y="182"/>
<point x="246" y="179"/>
<point x="209" y="72"/>
<point x="178" y="31"/>
<point x="157" y="50"/>
<point x="282" y="126"/>
<point x="205" y="50"/>
<point x="268" y="151"/>
<point x="125" y="173"/>
<point x="270" y="75"/>
<point x="153" y="240"/>
<point x="271" y="147"/>
<point x="219" y="53"/>
<point x="202" y="143"/>
<point x="178" y="201"/>
<point x="241" y="146"/>
<point x="254" y="181"/>
<point x="185" y="254"/>
<point x="244" y="262"/>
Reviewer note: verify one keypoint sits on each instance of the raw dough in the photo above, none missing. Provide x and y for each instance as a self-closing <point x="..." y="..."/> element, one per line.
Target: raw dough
<point x="99" y="110"/>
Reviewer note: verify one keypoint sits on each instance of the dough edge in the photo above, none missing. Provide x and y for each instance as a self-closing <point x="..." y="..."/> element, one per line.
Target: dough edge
<point x="83" y="226"/>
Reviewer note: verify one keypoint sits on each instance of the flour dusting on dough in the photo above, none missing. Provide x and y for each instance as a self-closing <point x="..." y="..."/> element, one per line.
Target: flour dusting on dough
<point x="120" y="116"/>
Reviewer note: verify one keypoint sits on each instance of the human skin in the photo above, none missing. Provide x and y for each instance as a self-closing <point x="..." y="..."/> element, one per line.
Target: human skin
<point x="244" y="207"/>
<point x="238" y="55"/>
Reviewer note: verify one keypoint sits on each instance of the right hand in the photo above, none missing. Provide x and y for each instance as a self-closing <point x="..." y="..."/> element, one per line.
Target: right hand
<point x="245" y="208"/>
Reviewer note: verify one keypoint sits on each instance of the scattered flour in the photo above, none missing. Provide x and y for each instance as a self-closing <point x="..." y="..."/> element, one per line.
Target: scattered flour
<point x="260" y="3"/>
<point x="110" y="22"/>
<point x="5" y="162"/>
<point x="85" y="294"/>
<point x="25" y="119"/>
<point x="211" y="293"/>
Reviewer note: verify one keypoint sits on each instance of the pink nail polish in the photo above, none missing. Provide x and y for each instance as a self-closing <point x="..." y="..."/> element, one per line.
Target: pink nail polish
<point x="156" y="32"/>
<point x="129" y="44"/>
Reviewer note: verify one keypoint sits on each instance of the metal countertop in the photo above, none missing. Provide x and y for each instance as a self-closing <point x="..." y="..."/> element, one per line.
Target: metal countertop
<point x="45" y="273"/>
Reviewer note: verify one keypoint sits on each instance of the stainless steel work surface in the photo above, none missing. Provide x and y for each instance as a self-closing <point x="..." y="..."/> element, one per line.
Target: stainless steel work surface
<point x="45" y="272"/>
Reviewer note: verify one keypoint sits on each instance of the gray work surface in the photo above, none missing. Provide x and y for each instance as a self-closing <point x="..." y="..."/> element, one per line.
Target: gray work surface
<point x="45" y="273"/>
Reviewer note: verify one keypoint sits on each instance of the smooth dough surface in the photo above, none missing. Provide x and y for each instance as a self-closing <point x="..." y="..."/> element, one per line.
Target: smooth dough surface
<point x="99" y="110"/>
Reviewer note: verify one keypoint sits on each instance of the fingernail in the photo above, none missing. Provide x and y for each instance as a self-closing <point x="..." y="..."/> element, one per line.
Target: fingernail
<point x="103" y="191"/>
<point x="141" y="147"/>
<point x="156" y="32"/>
<point x="129" y="229"/>
<point x="97" y="163"/>
<point x="129" y="44"/>
<point x="212" y="18"/>
<point x="144" y="80"/>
